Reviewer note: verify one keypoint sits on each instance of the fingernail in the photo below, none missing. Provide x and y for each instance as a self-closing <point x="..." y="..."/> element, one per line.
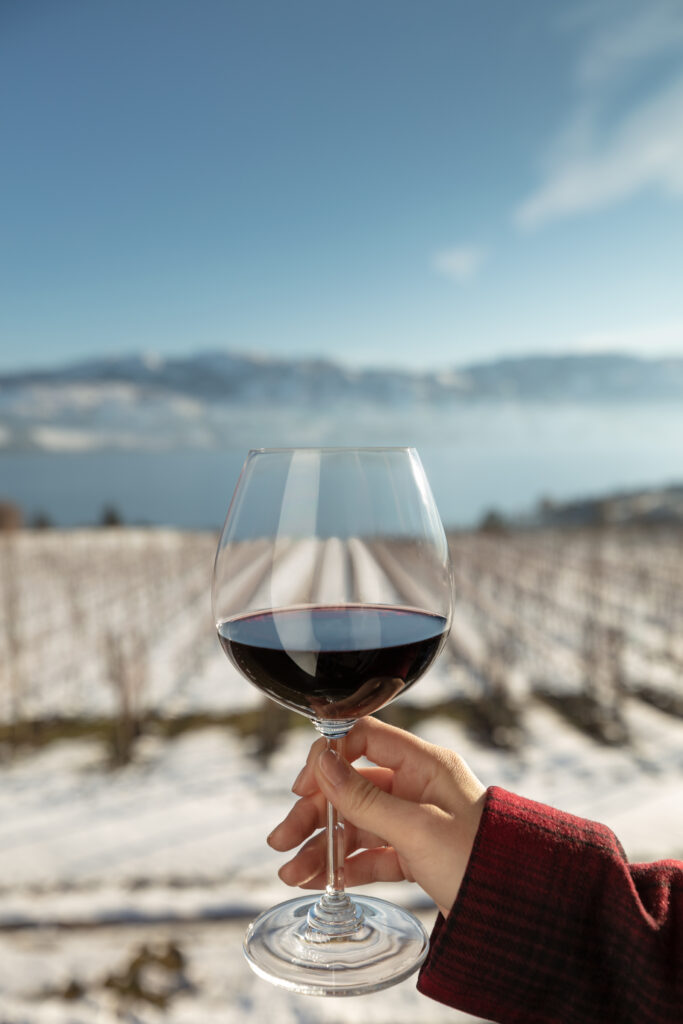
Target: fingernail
<point x="294" y="876"/>
<point x="273" y="833"/>
<point x="298" y="779"/>
<point x="334" y="768"/>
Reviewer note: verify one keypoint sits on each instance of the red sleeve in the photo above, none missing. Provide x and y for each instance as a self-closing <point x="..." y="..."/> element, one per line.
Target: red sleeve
<point x="553" y="926"/>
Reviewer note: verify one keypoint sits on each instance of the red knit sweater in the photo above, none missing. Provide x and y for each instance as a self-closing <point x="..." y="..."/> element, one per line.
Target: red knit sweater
<point x="553" y="926"/>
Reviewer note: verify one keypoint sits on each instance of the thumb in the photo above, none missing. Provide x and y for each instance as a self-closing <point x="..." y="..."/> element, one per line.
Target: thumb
<point x="359" y="801"/>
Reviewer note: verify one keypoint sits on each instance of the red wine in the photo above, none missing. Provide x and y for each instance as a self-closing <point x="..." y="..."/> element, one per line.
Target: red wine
<point x="333" y="662"/>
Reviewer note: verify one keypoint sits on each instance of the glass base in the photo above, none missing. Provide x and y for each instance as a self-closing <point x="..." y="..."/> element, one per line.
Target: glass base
<point x="386" y="946"/>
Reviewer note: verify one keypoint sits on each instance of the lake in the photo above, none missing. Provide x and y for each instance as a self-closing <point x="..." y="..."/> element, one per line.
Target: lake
<point x="478" y="457"/>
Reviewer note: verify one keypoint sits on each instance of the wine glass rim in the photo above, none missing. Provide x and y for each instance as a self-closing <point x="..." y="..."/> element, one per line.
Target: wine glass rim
<point x="332" y="448"/>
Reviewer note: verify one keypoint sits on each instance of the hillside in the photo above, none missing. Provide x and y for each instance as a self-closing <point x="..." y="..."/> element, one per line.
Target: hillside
<point x="197" y="401"/>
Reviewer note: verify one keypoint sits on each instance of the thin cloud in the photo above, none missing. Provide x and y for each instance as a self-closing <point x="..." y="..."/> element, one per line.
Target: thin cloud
<point x="624" y="36"/>
<point x="597" y="160"/>
<point x="461" y="263"/>
<point x="656" y="339"/>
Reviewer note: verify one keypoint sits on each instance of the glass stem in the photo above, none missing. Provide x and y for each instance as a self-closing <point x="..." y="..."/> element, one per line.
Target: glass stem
<point x="334" y="916"/>
<point x="335" y="834"/>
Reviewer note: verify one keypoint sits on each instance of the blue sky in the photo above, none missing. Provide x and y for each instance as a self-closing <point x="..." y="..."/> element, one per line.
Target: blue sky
<point x="421" y="183"/>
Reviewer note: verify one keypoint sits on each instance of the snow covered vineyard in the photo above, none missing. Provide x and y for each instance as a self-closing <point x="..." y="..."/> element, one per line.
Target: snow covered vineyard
<point x="140" y="773"/>
<point x="111" y="625"/>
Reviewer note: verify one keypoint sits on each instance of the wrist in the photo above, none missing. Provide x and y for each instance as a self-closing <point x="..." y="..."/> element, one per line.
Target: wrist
<point x="443" y="860"/>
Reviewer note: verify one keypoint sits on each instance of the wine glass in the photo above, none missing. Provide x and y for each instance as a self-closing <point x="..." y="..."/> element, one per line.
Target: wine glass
<point x="332" y="593"/>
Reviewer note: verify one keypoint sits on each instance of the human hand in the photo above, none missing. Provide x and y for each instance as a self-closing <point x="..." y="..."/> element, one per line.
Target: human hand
<point x="412" y="815"/>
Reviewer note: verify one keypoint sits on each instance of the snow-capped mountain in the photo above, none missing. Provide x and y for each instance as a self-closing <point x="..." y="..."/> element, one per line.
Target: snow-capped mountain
<point x="579" y="378"/>
<point x="225" y="376"/>
<point x="219" y="398"/>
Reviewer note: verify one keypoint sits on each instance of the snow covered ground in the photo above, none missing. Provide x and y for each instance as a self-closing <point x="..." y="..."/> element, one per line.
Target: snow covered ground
<point x="175" y="841"/>
<point x="95" y="865"/>
<point x="143" y="878"/>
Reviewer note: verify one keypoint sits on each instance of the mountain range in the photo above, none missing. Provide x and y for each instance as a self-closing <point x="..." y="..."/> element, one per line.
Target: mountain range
<point x="213" y="398"/>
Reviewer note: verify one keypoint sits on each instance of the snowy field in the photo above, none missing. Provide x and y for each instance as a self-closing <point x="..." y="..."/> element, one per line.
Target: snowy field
<point x="130" y="868"/>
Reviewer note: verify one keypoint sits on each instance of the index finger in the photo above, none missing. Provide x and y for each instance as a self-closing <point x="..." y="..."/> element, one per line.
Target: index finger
<point x="421" y="770"/>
